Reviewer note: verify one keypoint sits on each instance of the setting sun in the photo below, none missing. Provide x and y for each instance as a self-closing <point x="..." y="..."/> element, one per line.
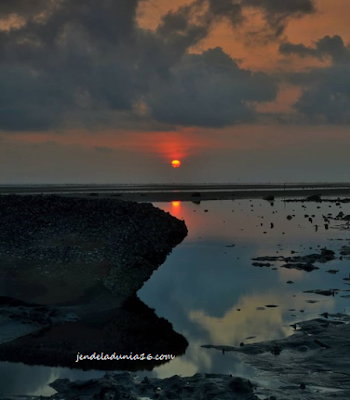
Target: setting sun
<point x="176" y="163"/>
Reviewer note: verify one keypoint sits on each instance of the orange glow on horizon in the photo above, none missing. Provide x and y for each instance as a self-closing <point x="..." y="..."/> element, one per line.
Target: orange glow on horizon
<point x="176" y="163"/>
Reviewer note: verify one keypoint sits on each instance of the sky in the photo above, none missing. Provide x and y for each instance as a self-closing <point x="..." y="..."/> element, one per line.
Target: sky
<point x="111" y="91"/>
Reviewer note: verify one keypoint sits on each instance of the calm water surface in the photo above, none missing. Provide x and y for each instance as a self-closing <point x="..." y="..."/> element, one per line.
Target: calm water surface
<point x="211" y="292"/>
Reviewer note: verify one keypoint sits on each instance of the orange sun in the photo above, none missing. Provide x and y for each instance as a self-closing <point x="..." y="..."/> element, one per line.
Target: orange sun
<point x="176" y="163"/>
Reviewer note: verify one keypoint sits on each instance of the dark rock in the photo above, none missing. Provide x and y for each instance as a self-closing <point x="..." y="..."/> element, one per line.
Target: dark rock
<point x="258" y="264"/>
<point x="315" y="197"/>
<point x="269" y="198"/>
<point x="238" y="385"/>
<point x="276" y="350"/>
<point x="345" y="251"/>
<point x="300" y="266"/>
<point x="198" y="387"/>
<point x="330" y="292"/>
<point x="327" y="253"/>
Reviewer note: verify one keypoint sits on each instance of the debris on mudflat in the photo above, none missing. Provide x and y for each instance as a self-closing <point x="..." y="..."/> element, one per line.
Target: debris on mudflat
<point x="259" y="264"/>
<point x="318" y="199"/>
<point x="307" y="267"/>
<point x="330" y="292"/>
<point x="317" y="351"/>
<point x="127" y="386"/>
<point x="303" y="263"/>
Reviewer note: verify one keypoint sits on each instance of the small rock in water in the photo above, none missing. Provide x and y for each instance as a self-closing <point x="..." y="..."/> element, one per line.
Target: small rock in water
<point x="276" y="350"/>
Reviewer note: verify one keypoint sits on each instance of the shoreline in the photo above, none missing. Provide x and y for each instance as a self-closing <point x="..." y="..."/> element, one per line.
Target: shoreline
<point x="168" y="193"/>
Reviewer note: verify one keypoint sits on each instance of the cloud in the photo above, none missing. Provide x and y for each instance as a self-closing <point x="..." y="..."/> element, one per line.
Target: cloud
<point x="88" y="63"/>
<point x="328" y="46"/>
<point x="326" y="90"/>
<point x="72" y="61"/>
<point x="278" y="13"/>
<point x="23" y="8"/>
<point x="210" y="90"/>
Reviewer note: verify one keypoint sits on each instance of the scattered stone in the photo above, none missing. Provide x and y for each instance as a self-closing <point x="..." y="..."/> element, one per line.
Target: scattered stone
<point x="125" y="386"/>
<point x="345" y="251"/>
<point x="318" y="351"/>
<point x="303" y="263"/>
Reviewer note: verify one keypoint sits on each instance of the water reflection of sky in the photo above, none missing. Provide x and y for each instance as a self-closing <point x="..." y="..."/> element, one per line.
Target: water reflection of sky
<point x="211" y="292"/>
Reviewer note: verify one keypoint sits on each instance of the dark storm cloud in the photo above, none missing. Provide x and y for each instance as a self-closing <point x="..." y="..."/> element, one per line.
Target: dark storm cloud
<point x="210" y="90"/>
<point x="276" y="13"/>
<point x="23" y="8"/>
<point x="89" y="63"/>
<point x="72" y="60"/>
<point x="181" y="29"/>
<point x="230" y="9"/>
<point x="326" y="90"/>
<point x="328" y="46"/>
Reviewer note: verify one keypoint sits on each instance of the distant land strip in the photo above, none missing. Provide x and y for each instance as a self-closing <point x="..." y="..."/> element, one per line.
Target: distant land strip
<point x="183" y="192"/>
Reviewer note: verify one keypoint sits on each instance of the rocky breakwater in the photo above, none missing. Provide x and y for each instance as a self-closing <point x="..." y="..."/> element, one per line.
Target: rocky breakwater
<point x="71" y="268"/>
<point x="50" y="239"/>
